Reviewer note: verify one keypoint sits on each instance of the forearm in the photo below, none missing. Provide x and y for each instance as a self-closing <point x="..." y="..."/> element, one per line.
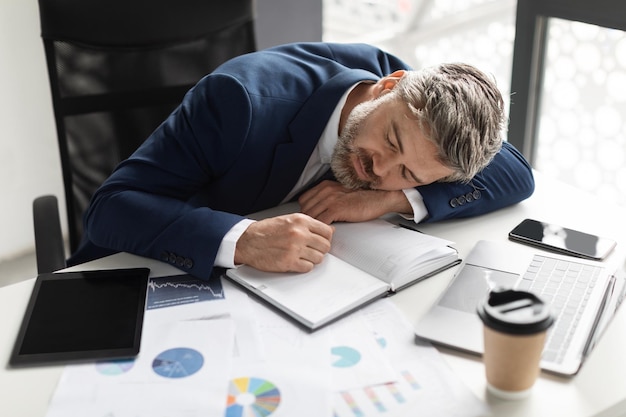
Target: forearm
<point x="395" y="202"/>
<point x="331" y="202"/>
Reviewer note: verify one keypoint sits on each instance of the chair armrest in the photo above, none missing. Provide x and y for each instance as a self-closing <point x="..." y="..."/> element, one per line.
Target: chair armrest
<point x="49" y="245"/>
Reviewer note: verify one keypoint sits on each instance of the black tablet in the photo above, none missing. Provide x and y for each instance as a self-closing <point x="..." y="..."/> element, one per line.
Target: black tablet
<point x="82" y="316"/>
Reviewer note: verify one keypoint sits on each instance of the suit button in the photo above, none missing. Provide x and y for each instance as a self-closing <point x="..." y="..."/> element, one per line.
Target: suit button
<point x="476" y="194"/>
<point x="454" y="203"/>
<point x="462" y="200"/>
<point x="172" y="258"/>
<point x="165" y="256"/>
<point x="188" y="263"/>
<point x="180" y="261"/>
<point x="469" y="197"/>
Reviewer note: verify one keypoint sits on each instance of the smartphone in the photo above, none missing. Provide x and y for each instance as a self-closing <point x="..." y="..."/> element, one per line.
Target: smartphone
<point x="560" y="239"/>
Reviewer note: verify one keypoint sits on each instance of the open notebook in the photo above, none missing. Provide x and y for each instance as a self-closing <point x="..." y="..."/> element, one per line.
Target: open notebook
<point x="368" y="260"/>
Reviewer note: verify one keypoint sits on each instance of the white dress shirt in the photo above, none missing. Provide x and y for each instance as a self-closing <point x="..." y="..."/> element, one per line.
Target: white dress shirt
<point x="318" y="164"/>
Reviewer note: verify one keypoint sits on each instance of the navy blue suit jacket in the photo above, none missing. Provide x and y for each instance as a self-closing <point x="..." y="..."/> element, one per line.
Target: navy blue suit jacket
<point x="238" y="143"/>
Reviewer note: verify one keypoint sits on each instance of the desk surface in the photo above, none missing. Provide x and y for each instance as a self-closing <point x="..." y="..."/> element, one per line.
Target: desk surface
<point x="598" y="390"/>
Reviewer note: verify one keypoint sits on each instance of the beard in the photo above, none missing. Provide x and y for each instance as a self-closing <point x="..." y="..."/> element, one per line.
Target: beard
<point x="341" y="161"/>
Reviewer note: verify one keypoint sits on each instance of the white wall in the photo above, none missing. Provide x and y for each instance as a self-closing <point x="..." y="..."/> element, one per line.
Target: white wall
<point x="29" y="160"/>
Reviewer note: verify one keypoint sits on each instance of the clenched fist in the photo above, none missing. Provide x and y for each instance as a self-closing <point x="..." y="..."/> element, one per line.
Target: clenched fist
<point x="290" y="243"/>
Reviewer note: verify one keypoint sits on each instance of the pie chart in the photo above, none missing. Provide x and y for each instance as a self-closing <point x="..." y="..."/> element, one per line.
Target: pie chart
<point x="251" y="397"/>
<point x="178" y="363"/>
<point x="345" y="356"/>
<point x="115" y="367"/>
<point x="382" y="342"/>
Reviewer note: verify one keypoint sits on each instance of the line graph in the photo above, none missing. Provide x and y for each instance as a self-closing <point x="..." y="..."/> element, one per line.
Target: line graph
<point x="181" y="289"/>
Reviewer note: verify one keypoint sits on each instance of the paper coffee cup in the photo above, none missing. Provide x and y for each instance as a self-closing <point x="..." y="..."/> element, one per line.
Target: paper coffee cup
<point x="515" y="326"/>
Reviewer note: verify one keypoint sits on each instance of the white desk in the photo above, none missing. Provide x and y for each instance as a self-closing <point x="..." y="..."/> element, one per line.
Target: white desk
<point x="598" y="390"/>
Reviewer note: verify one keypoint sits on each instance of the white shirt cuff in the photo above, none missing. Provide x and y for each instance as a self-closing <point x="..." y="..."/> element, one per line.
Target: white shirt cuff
<point x="225" y="257"/>
<point x="417" y="204"/>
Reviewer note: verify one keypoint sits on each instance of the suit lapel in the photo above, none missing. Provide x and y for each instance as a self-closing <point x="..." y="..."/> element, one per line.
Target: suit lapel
<point x="305" y="130"/>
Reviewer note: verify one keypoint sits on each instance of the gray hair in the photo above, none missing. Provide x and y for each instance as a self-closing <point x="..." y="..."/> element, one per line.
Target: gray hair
<point x="460" y="110"/>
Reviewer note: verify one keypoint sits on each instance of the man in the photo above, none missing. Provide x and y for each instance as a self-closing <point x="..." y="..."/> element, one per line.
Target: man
<point x="263" y="129"/>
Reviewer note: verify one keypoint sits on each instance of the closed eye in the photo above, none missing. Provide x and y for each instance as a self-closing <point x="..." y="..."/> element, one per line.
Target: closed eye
<point x="409" y="176"/>
<point x="406" y="173"/>
<point x="391" y="144"/>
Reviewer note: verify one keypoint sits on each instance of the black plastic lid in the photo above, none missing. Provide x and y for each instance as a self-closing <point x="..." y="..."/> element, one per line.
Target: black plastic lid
<point x="515" y="312"/>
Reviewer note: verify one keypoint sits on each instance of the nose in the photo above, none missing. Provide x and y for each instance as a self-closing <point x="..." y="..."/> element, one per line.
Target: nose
<point x="383" y="163"/>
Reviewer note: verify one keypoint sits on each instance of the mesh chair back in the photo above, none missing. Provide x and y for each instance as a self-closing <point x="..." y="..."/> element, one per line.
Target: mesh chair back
<point x="117" y="68"/>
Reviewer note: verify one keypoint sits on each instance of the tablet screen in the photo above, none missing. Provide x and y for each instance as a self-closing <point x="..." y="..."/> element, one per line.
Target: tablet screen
<point x="78" y="316"/>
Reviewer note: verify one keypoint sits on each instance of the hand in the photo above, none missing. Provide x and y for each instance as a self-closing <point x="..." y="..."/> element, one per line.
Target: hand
<point x="329" y="201"/>
<point x="289" y="243"/>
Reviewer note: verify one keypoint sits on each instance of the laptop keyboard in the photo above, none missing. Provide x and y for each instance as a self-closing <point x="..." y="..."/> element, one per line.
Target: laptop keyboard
<point x="566" y="286"/>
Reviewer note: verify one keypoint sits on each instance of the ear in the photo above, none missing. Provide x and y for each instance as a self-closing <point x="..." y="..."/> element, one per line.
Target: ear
<point x="387" y="83"/>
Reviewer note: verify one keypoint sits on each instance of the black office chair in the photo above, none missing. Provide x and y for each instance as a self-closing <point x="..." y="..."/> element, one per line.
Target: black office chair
<point x="531" y="29"/>
<point x="117" y="68"/>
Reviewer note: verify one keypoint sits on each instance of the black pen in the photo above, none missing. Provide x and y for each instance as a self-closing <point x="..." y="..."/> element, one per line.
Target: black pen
<point x="406" y="226"/>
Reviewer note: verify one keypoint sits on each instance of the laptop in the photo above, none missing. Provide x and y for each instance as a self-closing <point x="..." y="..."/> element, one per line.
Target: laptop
<point x="582" y="294"/>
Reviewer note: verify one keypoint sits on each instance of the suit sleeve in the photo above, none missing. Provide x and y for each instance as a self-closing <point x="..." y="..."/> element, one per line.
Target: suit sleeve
<point x="507" y="180"/>
<point x="147" y="206"/>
